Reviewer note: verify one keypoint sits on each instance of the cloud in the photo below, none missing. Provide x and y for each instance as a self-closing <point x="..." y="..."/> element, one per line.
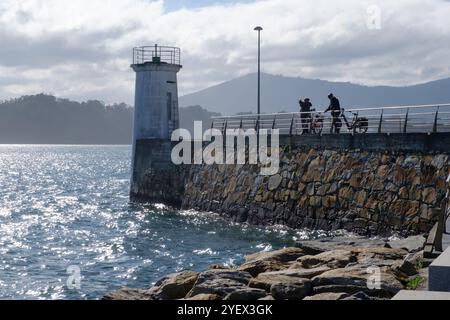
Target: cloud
<point x="82" y="49"/>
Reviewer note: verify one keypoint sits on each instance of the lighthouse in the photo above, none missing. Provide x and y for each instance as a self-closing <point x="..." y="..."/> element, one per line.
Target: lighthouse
<point x="156" y="116"/>
<point x="156" y="113"/>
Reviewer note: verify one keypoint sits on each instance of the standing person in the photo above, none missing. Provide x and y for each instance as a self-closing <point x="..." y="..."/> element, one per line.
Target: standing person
<point x="335" y="108"/>
<point x="305" y="109"/>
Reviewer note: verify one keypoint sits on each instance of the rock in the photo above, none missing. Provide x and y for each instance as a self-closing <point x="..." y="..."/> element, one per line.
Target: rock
<point x="404" y="269"/>
<point x="439" y="161"/>
<point x="411" y="244"/>
<point x="360" y="277"/>
<point x="266" y="280"/>
<point x="332" y="259"/>
<point x="247" y="294"/>
<point x="259" y="266"/>
<point x="292" y="291"/>
<point x="283" y="255"/>
<point x="346" y="289"/>
<point x="218" y="267"/>
<point x="429" y="195"/>
<point x="417" y="260"/>
<point x="331" y="296"/>
<point x="274" y="182"/>
<point x="205" y="297"/>
<point x="174" y="286"/>
<point x="360" y="296"/>
<point x="370" y="255"/>
<point x="269" y="298"/>
<point x="129" y="294"/>
<point x="298" y="271"/>
<point x="313" y="247"/>
<point x="383" y="171"/>
<point x="220" y="282"/>
<point x="270" y="261"/>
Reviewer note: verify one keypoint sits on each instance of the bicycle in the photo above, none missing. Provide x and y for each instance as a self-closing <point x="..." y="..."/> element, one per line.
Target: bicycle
<point x="316" y="123"/>
<point x="358" y="124"/>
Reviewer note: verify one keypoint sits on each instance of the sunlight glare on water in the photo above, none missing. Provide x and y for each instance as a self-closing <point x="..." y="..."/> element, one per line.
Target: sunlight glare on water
<point x="63" y="206"/>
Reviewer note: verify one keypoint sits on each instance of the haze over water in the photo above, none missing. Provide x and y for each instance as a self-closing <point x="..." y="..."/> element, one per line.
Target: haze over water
<point x="64" y="206"/>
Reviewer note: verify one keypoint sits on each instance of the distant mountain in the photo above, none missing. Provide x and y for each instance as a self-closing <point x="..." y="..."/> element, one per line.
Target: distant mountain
<point x="282" y="93"/>
<point x="188" y="115"/>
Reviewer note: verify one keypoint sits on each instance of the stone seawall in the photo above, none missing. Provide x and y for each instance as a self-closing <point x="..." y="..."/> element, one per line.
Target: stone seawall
<point x="371" y="184"/>
<point x="155" y="178"/>
<point x="371" y="193"/>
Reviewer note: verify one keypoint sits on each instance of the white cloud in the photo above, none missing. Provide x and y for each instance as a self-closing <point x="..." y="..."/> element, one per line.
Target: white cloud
<point x="82" y="49"/>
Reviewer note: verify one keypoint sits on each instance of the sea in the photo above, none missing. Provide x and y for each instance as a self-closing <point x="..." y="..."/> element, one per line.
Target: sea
<point x="68" y="230"/>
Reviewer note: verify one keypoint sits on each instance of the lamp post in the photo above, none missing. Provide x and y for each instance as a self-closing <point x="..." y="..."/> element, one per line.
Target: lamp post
<point x="259" y="29"/>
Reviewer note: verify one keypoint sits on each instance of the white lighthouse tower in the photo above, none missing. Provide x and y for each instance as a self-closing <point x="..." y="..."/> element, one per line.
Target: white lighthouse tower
<point x="156" y="116"/>
<point x="156" y="113"/>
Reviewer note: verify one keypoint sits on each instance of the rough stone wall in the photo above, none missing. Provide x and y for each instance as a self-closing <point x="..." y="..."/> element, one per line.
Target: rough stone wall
<point x="371" y="193"/>
<point x="155" y="178"/>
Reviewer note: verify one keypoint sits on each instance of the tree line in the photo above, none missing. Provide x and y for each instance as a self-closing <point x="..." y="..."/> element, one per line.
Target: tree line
<point x="46" y="119"/>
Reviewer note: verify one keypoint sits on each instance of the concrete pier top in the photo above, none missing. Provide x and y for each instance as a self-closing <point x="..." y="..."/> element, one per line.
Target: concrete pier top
<point x="421" y="295"/>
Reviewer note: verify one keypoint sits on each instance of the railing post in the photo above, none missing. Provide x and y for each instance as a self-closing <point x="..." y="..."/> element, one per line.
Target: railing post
<point x="291" y="131"/>
<point x="380" y="125"/>
<point x="435" y="120"/>
<point x="406" y="121"/>
<point x="225" y="128"/>
<point x="356" y="122"/>
<point x="241" y="124"/>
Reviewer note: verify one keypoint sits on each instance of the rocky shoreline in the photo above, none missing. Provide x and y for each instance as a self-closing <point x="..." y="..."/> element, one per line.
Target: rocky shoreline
<point x="342" y="268"/>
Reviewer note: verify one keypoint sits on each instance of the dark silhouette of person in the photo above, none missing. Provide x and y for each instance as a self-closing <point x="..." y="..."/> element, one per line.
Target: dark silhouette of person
<point x="335" y="108"/>
<point x="305" y="109"/>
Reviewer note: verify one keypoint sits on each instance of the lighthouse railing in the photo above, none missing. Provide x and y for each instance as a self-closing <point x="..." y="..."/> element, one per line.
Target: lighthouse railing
<point x="156" y="54"/>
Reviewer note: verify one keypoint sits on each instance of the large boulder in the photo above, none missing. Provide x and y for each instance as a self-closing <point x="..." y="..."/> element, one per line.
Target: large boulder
<point x="270" y="261"/>
<point x="411" y="244"/>
<point x="379" y="255"/>
<point x="282" y="255"/>
<point x="382" y="284"/>
<point x="174" y="286"/>
<point x="205" y="297"/>
<point x="130" y="294"/>
<point x="313" y="247"/>
<point x="220" y="282"/>
<point x="292" y="291"/>
<point x="266" y="280"/>
<point x="332" y="259"/>
<point x="330" y="296"/>
<point x="247" y="294"/>
<point x="404" y="269"/>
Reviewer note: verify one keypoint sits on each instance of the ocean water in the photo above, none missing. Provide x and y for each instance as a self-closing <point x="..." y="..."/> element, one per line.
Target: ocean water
<point x="65" y="208"/>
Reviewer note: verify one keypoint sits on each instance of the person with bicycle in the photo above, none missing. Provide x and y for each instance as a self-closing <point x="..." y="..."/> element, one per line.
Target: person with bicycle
<point x="305" y="109"/>
<point x="335" y="108"/>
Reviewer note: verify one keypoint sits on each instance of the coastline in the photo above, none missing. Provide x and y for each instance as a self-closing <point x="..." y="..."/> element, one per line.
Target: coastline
<point x="340" y="268"/>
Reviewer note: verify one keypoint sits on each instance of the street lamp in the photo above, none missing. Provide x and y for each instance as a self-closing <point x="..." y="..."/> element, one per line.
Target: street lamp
<point x="259" y="29"/>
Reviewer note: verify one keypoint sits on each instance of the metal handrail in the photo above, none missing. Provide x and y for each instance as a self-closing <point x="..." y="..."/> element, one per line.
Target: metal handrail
<point x="372" y="120"/>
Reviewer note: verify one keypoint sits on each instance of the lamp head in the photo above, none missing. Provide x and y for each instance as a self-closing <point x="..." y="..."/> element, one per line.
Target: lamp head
<point x="258" y="29"/>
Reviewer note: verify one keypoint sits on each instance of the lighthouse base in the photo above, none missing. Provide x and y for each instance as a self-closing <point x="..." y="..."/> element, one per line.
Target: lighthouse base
<point x="155" y="178"/>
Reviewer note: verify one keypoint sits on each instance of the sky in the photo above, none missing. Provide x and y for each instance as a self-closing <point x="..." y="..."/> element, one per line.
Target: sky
<point x="82" y="49"/>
